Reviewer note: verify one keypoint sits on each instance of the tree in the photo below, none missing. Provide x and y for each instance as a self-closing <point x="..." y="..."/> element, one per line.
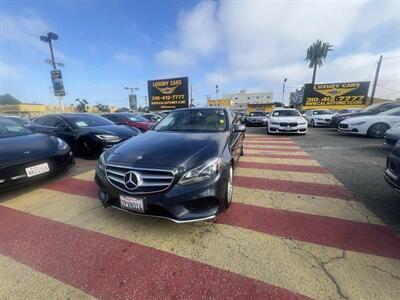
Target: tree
<point x="122" y="109"/>
<point x="82" y="105"/>
<point x="103" y="108"/>
<point x="316" y="55"/>
<point x="8" y="99"/>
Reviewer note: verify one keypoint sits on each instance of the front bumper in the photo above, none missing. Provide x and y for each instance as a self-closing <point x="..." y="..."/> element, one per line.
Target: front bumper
<point x="299" y="129"/>
<point x="392" y="172"/>
<point x="189" y="203"/>
<point x="323" y="122"/>
<point x="16" y="174"/>
<point x="347" y="128"/>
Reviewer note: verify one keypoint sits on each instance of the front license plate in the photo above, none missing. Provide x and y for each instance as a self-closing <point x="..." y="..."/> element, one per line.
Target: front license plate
<point x="288" y="128"/>
<point x="37" y="170"/>
<point x="131" y="203"/>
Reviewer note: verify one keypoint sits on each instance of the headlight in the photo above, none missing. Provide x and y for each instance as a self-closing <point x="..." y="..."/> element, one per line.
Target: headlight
<point x="102" y="162"/>
<point x="357" y="124"/>
<point x="202" y="173"/>
<point x="108" y="138"/>
<point x="61" y="144"/>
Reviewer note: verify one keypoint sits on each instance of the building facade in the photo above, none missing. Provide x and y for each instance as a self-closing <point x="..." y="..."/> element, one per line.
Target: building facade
<point x="241" y="100"/>
<point x="224" y="102"/>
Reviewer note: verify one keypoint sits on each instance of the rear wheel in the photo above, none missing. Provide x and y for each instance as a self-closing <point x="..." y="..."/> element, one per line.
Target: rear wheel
<point x="377" y="130"/>
<point x="229" y="188"/>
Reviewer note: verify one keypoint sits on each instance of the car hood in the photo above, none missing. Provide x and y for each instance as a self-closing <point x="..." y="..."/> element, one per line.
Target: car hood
<point x="288" y="119"/>
<point x="119" y="130"/>
<point x="21" y="149"/>
<point x="169" y="149"/>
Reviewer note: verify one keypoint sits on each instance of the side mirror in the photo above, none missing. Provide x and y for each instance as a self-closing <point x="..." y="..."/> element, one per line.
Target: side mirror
<point x="239" y="128"/>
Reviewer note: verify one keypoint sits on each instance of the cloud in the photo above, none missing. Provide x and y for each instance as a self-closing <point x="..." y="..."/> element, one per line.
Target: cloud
<point x="197" y="36"/>
<point x="128" y="58"/>
<point x="25" y="31"/>
<point x="8" y="71"/>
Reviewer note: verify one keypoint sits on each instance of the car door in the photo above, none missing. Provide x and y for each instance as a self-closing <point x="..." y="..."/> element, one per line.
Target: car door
<point x="63" y="130"/>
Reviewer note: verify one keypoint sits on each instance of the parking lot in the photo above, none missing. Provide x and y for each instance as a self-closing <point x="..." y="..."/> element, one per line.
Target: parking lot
<point x="311" y="217"/>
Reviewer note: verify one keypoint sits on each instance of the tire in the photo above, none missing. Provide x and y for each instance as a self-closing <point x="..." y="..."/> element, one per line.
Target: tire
<point x="86" y="148"/>
<point x="312" y="124"/>
<point x="241" y="151"/>
<point x="229" y="188"/>
<point x="377" y="130"/>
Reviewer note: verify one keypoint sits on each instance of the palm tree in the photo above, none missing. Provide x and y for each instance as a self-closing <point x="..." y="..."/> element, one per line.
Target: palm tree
<point x="316" y="55"/>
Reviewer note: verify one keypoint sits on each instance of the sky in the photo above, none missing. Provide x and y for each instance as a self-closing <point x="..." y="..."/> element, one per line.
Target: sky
<point x="239" y="45"/>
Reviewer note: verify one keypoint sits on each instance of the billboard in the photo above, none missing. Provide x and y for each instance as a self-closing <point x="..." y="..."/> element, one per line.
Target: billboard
<point x="167" y="94"/>
<point x="132" y="102"/>
<point x="58" y="85"/>
<point x="336" y="95"/>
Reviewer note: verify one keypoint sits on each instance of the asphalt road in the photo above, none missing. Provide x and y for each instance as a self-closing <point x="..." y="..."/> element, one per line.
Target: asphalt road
<point x="358" y="162"/>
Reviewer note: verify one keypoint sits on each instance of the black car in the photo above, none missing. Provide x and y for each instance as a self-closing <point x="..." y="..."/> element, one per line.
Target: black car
<point x="256" y="118"/>
<point x="181" y="170"/>
<point x="392" y="172"/>
<point x="26" y="156"/>
<point x="87" y="134"/>
<point x="370" y="110"/>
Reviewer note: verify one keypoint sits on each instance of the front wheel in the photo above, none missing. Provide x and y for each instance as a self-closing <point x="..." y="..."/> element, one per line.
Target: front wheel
<point x="229" y="188"/>
<point x="377" y="130"/>
<point x="312" y="123"/>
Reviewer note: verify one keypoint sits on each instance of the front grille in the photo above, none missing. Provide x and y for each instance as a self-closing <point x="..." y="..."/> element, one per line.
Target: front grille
<point x="293" y="124"/>
<point x="328" y="120"/>
<point x="343" y="126"/>
<point x="146" y="180"/>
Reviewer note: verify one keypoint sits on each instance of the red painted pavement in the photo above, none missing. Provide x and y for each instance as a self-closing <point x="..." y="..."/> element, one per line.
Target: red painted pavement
<point x="289" y="156"/>
<point x="111" y="268"/>
<point x="75" y="186"/>
<point x="296" y="187"/>
<point x="283" y="167"/>
<point x="274" y="149"/>
<point x="338" y="233"/>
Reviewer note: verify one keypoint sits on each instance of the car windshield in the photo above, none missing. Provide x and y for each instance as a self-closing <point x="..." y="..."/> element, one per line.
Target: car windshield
<point x="194" y="120"/>
<point x="257" y="114"/>
<point x="136" y="118"/>
<point x="10" y="128"/>
<point x="322" y="112"/>
<point x="391" y="112"/>
<point x="286" y="113"/>
<point x="373" y="107"/>
<point x="86" y="120"/>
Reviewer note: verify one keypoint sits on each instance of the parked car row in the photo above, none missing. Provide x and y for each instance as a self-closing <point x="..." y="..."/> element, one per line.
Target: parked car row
<point x="182" y="169"/>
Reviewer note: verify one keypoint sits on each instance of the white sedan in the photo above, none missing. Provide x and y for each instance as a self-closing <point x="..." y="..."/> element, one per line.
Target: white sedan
<point x="286" y="120"/>
<point x="373" y="126"/>
<point x="318" y="117"/>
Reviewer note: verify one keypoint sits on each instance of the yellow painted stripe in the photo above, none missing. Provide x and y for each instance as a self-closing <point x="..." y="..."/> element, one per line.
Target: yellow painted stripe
<point x="18" y="281"/>
<point x="286" y="263"/>
<point x="265" y="151"/>
<point x="272" y="146"/>
<point x="323" y="206"/>
<point x="89" y="175"/>
<point x="285" y="161"/>
<point x="288" y="175"/>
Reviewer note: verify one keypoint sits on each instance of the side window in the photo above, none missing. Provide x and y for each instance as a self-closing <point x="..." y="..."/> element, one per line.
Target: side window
<point x="59" y="123"/>
<point x="41" y="121"/>
<point x="52" y="121"/>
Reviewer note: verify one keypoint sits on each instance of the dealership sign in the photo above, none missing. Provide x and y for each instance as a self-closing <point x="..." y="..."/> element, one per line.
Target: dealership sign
<point x="343" y="94"/>
<point x="58" y="85"/>
<point x="166" y="94"/>
<point x="132" y="102"/>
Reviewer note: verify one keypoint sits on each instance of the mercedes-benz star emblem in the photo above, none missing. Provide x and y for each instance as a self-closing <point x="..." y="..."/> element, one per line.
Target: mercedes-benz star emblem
<point x="131" y="180"/>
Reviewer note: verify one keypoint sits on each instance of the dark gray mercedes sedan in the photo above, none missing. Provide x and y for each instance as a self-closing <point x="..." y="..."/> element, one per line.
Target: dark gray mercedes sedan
<point x="180" y="170"/>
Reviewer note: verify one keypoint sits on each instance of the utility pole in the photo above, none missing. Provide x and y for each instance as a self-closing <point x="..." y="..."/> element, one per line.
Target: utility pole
<point x="283" y="91"/>
<point x="378" y="68"/>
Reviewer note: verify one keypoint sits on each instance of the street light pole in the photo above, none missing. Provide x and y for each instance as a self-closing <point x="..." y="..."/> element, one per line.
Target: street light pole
<point x="283" y="91"/>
